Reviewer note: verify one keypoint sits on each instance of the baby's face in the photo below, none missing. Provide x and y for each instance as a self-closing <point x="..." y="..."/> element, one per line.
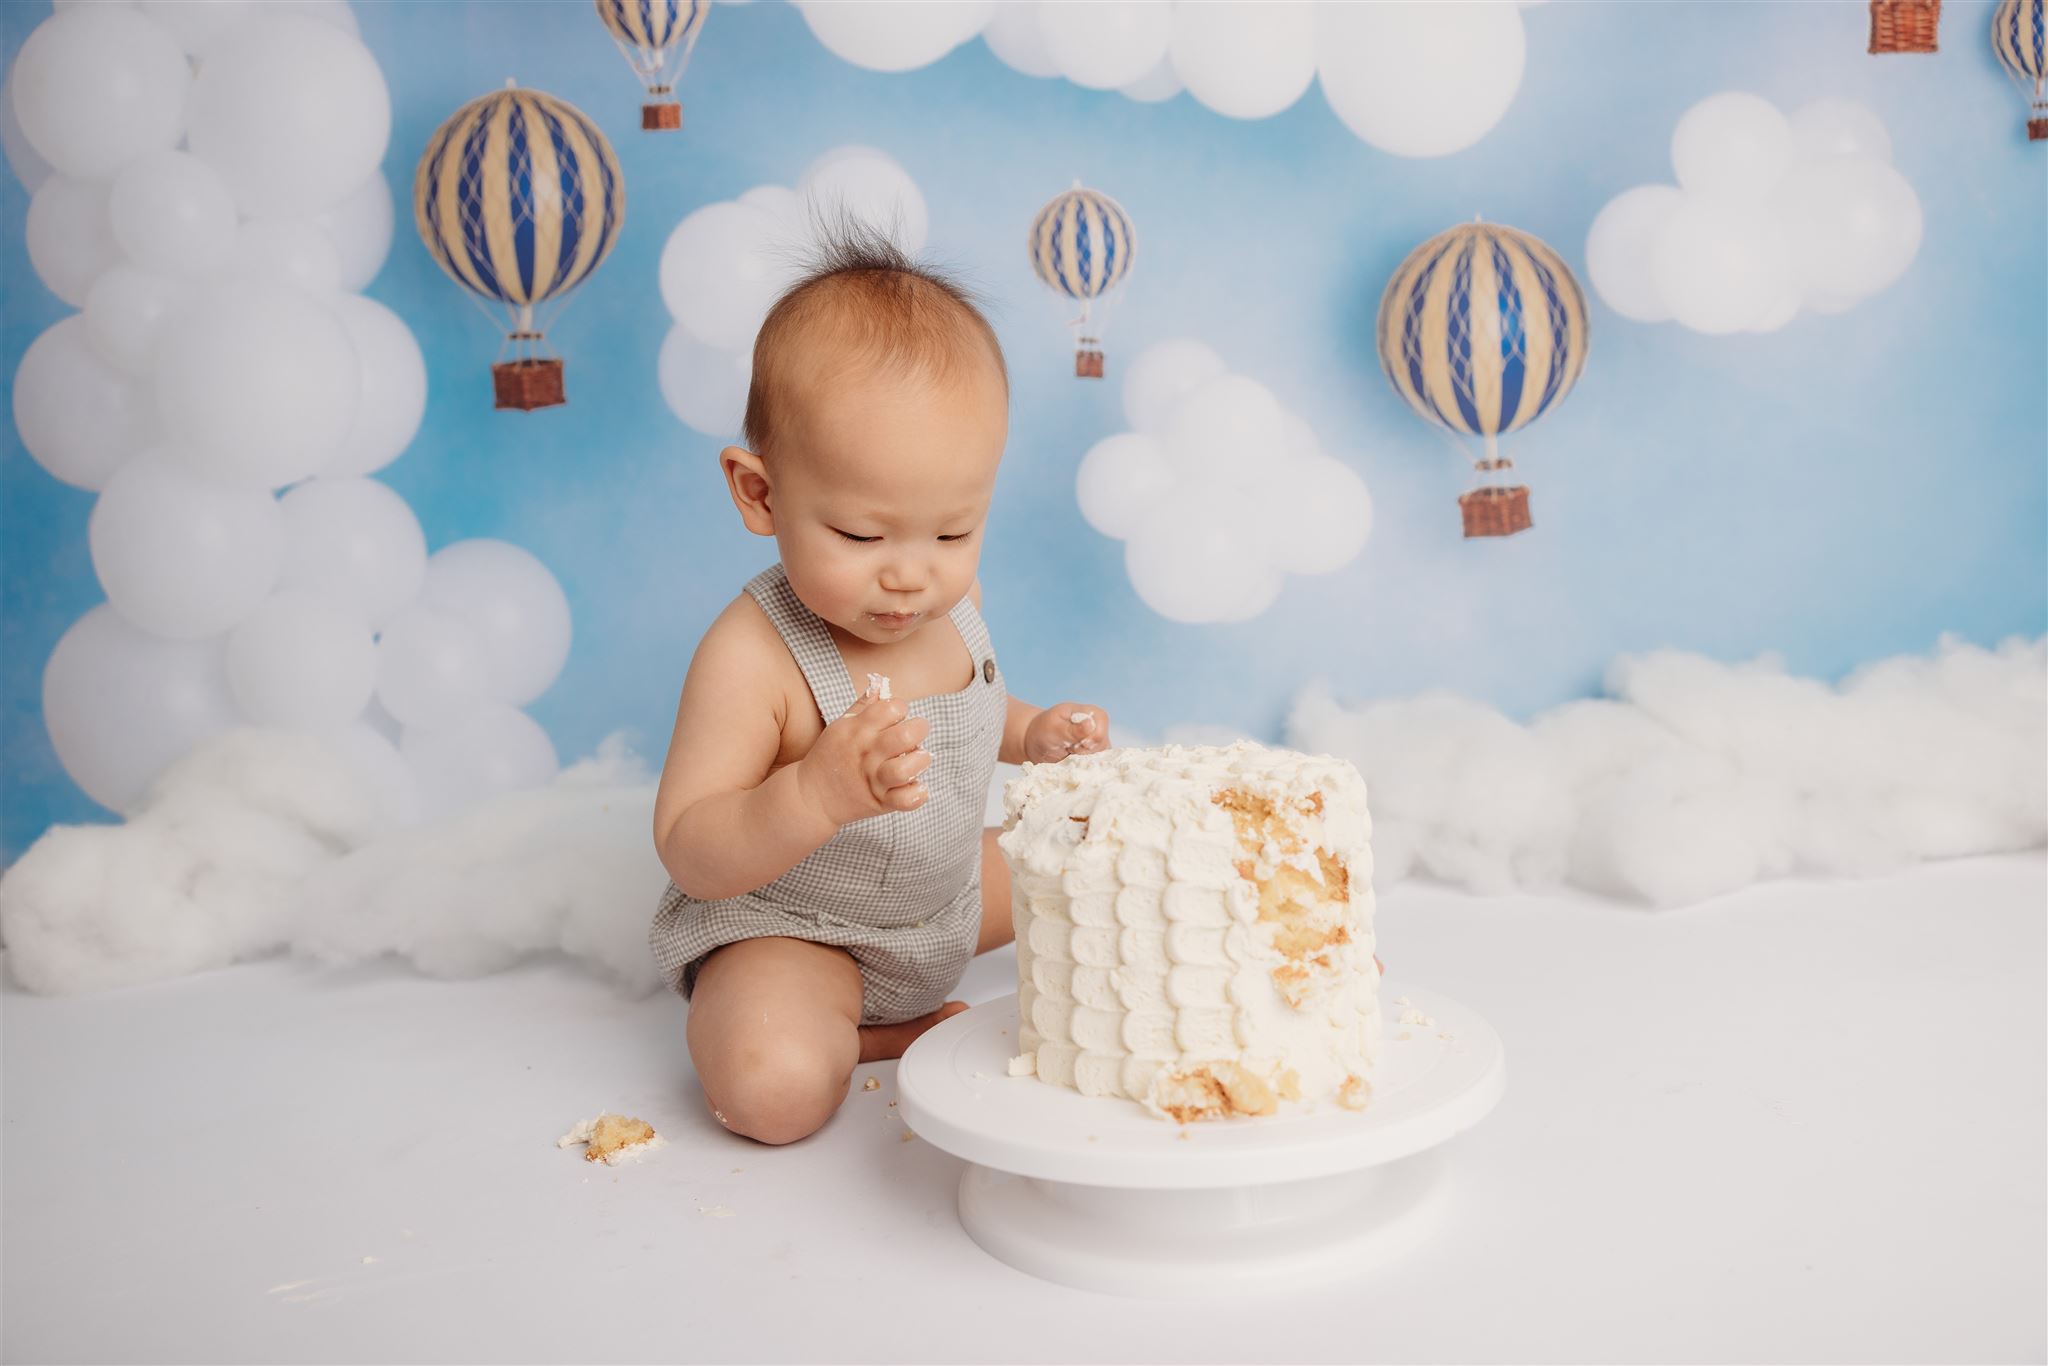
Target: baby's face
<point x="881" y="504"/>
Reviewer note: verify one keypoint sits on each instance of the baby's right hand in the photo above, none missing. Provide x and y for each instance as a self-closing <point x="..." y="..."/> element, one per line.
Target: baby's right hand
<point x="866" y="763"/>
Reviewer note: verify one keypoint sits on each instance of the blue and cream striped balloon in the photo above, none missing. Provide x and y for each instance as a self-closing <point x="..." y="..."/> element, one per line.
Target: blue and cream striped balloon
<point x="1482" y="329"/>
<point x="654" y="27"/>
<point x="519" y="197"/>
<point x="1082" y="243"/>
<point x="2019" y="35"/>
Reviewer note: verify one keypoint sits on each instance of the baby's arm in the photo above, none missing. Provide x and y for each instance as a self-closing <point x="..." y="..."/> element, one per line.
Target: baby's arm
<point x="726" y="820"/>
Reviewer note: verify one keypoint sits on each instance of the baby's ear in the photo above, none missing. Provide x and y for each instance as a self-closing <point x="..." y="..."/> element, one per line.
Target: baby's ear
<point x="746" y="479"/>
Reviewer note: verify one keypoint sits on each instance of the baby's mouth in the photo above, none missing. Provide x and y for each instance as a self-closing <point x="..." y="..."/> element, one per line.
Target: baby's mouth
<point x="894" y="621"/>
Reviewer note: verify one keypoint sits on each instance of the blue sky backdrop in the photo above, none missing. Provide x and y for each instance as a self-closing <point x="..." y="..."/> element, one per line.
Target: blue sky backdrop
<point x="1846" y="489"/>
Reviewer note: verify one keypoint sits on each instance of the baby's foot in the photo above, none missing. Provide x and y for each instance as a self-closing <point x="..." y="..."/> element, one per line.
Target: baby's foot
<point x="881" y="1042"/>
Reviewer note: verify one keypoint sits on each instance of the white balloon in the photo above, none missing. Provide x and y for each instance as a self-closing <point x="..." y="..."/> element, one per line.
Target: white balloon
<point x="704" y="386"/>
<point x="375" y="760"/>
<point x="1221" y="432"/>
<point x="1720" y="264"/>
<point x="1108" y="43"/>
<point x="27" y="164"/>
<point x="257" y="383"/>
<point x="200" y="26"/>
<point x="70" y="237"/>
<point x="1734" y="144"/>
<point x="302" y="661"/>
<point x="122" y="704"/>
<point x="394" y="392"/>
<point x="1197" y="561"/>
<point x="720" y="272"/>
<point x="1163" y="374"/>
<point x="360" y="224"/>
<point x="97" y="86"/>
<point x="1014" y="36"/>
<point x="180" y="556"/>
<point x="1329" y="516"/>
<point x="871" y="187"/>
<point x="355" y="541"/>
<point x="1619" y="248"/>
<point x="492" y="748"/>
<point x="293" y="113"/>
<point x="1121" y="482"/>
<point x="894" y="35"/>
<point x="1838" y="127"/>
<point x="1420" y="79"/>
<point x="1154" y="87"/>
<point x="1854" y="221"/>
<point x="431" y="667"/>
<point x="286" y="251"/>
<point x="171" y="212"/>
<point x="516" y="607"/>
<point x="1242" y="58"/>
<point x="78" y="417"/>
<point x="126" y="313"/>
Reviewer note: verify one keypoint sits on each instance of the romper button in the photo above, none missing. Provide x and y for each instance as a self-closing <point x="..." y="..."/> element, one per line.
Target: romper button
<point x="988" y="670"/>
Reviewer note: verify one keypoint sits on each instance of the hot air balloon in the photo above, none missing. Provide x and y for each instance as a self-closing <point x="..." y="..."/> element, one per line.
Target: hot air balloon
<point x="655" y="37"/>
<point x="2019" y="35"/>
<point x="518" y="197"/>
<point x="1482" y="330"/>
<point x="1082" y="244"/>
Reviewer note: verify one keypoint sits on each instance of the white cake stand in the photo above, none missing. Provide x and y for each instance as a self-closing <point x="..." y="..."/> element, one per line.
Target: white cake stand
<point x="1099" y="1193"/>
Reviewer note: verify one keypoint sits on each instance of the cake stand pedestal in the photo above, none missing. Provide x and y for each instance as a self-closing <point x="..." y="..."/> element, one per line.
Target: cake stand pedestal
<point x="1097" y="1192"/>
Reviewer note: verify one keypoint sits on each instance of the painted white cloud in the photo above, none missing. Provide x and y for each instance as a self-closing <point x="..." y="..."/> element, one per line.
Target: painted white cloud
<point x="1771" y="215"/>
<point x="1416" y="79"/>
<point x="726" y="263"/>
<point x="1218" y="492"/>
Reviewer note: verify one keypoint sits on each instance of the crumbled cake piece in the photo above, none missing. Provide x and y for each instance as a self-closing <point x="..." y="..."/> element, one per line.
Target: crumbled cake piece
<point x="871" y="1084"/>
<point x="1024" y="1064"/>
<point x="878" y="684"/>
<point x="608" y="1136"/>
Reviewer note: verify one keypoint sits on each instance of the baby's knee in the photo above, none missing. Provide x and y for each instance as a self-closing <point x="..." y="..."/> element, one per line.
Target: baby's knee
<point x="780" y="1091"/>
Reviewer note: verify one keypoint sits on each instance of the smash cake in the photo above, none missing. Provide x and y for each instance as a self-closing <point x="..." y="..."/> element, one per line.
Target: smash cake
<point x="1194" y="928"/>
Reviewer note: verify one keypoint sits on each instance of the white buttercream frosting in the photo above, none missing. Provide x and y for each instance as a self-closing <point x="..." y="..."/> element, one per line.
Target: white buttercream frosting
<point x="1192" y="920"/>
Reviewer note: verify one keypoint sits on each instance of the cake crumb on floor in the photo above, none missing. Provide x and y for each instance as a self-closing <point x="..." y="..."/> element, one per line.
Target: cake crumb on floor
<point x="609" y="1137"/>
<point x="871" y="1084"/>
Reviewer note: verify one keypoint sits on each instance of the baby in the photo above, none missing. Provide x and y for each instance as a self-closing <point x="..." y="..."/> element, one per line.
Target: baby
<point x="830" y="874"/>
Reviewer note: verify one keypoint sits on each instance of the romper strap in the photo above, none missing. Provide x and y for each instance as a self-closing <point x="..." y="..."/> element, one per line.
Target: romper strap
<point x="809" y="640"/>
<point x="974" y="632"/>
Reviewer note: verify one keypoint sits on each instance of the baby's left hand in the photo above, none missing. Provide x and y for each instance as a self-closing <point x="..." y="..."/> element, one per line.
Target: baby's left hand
<point x="1063" y="729"/>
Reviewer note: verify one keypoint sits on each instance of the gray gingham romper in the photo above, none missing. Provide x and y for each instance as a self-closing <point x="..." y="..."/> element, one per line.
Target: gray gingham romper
<point x="900" y="891"/>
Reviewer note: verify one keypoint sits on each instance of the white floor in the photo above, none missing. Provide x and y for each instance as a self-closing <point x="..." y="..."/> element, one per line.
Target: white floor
<point x="1806" y="1122"/>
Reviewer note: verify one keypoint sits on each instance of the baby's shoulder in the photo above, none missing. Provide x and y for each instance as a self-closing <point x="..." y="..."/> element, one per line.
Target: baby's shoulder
<point x="742" y="658"/>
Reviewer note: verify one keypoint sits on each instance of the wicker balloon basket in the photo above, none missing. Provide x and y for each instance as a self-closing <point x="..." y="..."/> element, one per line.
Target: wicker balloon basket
<point x="1904" y="25"/>
<point x="1495" y="510"/>
<point x="1087" y="363"/>
<point x="528" y="384"/>
<point x="2037" y="129"/>
<point x="660" y="114"/>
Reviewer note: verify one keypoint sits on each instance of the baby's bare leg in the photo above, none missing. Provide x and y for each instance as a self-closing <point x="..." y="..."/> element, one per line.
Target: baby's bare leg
<point x="997" y="928"/>
<point x="774" y="1033"/>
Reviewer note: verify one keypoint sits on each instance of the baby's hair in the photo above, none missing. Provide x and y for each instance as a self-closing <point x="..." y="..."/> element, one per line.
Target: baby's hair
<point x="879" y="307"/>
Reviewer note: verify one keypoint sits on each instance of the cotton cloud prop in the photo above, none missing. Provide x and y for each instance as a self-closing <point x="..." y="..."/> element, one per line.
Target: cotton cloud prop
<point x="1219" y="493"/>
<point x="1416" y="79"/>
<point x="1771" y="215"/>
<point x="726" y="263"/>
<point x="206" y="190"/>
<point x="1692" y="779"/>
